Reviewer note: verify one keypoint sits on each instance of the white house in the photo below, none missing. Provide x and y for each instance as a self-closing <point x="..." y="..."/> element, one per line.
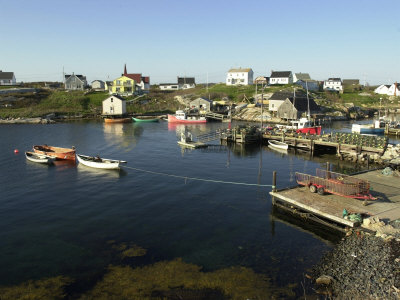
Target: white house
<point x="394" y="90"/>
<point x="383" y="89"/>
<point x="114" y="105"/>
<point x="7" y="78"/>
<point x="239" y="76"/>
<point x="301" y="76"/>
<point x="281" y="77"/>
<point x="333" y="84"/>
<point x="98" y="85"/>
<point x="75" y="82"/>
<point x="186" y="83"/>
<point x="169" y="86"/>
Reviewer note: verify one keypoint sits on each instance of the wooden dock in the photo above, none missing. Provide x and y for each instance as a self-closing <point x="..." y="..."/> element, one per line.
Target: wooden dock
<point x="328" y="209"/>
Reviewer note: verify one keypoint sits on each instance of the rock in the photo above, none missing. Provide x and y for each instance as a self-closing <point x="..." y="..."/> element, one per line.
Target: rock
<point x="366" y="222"/>
<point x="324" y="279"/>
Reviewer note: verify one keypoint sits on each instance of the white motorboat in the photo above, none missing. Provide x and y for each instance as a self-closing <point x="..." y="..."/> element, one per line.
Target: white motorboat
<point x="99" y="163"/>
<point x="39" y="158"/>
<point x="278" y="145"/>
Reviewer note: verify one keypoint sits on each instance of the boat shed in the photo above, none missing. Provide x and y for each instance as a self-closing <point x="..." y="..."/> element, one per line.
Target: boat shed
<point x="202" y="104"/>
<point x="114" y="106"/>
<point x="294" y="109"/>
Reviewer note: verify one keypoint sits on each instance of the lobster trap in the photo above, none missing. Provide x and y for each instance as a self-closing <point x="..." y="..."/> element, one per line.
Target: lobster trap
<point x="335" y="183"/>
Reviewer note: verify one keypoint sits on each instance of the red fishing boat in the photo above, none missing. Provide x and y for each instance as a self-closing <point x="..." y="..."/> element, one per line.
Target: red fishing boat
<point x="181" y="117"/>
<point x="57" y="152"/>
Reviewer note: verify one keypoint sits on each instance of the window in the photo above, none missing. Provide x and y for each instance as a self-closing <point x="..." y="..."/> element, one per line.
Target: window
<point x="112" y="100"/>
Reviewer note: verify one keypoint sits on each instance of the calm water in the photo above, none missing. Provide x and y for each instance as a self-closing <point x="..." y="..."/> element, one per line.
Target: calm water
<point x="59" y="219"/>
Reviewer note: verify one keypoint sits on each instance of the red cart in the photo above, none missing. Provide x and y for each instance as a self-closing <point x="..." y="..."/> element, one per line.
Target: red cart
<point x="335" y="183"/>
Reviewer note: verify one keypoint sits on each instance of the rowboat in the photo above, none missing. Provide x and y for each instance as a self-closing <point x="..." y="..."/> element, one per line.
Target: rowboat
<point x="99" y="163"/>
<point x="278" y="145"/>
<point x="117" y="120"/>
<point x="145" y="119"/>
<point x="39" y="158"/>
<point x="57" y="152"/>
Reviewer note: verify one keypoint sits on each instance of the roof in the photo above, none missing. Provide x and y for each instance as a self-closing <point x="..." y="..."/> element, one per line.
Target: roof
<point x="301" y="103"/>
<point x="98" y="80"/>
<point x="334" y="79"/>
<point x="280" y="74"/>
<point x="303" y="76"/>
<point x="351" y="81"/>
<point x="240" y="70"/>
<point x="186" y="80"/>
<point x="80" y="77"/>
<point x="202" y="99"/>
<point x="136" y="77"/>
<point x="115" y="96"/>
<point x="6" y="75"/>
<point x="168" y="84"/>
<point x="283" y="95"/>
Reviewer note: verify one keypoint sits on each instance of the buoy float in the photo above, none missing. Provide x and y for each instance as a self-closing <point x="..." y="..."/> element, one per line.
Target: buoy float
<point x="16" y="151"/>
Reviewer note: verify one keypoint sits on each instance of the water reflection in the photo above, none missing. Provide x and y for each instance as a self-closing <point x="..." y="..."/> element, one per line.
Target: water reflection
<point x="123" y="135"/>
<point x="193" y="128"/>
<point x="88" y="171"/>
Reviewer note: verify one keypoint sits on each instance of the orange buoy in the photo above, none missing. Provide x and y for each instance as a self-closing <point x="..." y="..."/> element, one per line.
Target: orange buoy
<point x="16" y="151"/>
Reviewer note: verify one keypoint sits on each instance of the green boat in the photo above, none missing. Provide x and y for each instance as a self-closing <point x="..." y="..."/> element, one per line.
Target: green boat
<point x="145" y="119"/>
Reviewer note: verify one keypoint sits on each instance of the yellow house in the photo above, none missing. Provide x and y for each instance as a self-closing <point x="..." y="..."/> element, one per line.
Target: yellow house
<point x="123" y="86"/>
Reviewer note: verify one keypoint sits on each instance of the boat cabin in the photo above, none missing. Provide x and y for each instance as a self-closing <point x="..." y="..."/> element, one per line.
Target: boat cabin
<point x="302" y="123"/>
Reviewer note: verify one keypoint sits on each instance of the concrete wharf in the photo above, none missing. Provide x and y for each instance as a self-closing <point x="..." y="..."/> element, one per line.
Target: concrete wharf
<point x="327" y="209"/>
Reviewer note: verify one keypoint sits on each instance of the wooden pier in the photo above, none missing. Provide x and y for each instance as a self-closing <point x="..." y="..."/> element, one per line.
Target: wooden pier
<point x="328" y="209"/>
<point x="311" y="143"/>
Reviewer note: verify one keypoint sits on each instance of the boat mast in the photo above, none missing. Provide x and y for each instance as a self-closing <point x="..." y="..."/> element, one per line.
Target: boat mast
<point x="308" y="103"/>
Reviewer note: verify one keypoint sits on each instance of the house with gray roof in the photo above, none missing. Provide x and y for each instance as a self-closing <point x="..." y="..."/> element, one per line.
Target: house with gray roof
<point x="301" y="76"/>
<point x="7" y="78"/>
<point x="186" y="83"/>
<point x="98" y="85"/>
<point x="281" y="77"/>
<point x="333" y="84"/>
<point x="75" y="82"/>
<point x="293" y="108"/>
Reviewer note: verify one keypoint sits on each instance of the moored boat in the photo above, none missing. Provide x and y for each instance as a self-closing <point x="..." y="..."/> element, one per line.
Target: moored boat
<point x="278" y="145"/>
<point x="99" y="163"/>
<point x="181" y="117"/>
<point x="57" y="152"/>
<point x="39" y="158"/>
<point x="117" y="120"/>
<point x="142" y="119"/>
<point x="368" y="128"/>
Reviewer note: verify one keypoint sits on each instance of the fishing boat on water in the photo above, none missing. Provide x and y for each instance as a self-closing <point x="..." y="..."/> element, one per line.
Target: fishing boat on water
<point x="57" y="152"/>
<point x="117" y="120"/>
<point x="278" y="145"/>
<point x="39" y="158"/>
<point x="374" y="128"/>
<point x="182" y="117"/>
<point x="98" y="162"/>
<point x="144" y="119"/>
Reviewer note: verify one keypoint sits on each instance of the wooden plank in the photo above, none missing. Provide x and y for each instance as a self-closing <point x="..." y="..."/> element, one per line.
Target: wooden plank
<point x="313" y="210"/>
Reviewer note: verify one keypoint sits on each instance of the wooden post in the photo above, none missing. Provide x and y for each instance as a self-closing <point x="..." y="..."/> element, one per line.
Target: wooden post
<point x="312" y="147"/>
<point x="368" y="162"/>
<point x="274" y="181"/>
<point x="328" y="169"/>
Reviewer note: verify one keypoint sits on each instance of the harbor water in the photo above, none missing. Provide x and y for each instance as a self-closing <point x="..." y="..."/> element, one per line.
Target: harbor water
<point x="209" y="207"/>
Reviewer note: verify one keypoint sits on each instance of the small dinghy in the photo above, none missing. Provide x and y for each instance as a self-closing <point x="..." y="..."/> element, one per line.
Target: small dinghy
<point x="39" y="158"/>
<point x="278" y="145"/>
<point x="99" y="163"/>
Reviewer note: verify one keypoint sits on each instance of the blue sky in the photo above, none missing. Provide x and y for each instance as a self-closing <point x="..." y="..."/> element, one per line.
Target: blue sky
<point x="168" y="38"/>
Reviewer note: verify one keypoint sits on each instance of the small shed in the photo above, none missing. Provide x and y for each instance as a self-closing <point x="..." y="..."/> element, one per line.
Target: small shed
<point x="201" y="104"/>
<point x="294" y="109"/>
<point x="114" y="106"/>
<point x="98" y="85"/>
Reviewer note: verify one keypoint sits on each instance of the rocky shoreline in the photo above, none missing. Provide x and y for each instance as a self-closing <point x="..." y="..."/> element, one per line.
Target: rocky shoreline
<point x="361" y="266"/>
<point x="37" y="120"/>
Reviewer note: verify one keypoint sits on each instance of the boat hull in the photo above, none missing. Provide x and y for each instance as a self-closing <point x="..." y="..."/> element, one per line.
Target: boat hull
<point x="39" y="158"/>
<point x="316" y="130"/>
<point x="103" y="163"/>
<point x="57" y="152"/>
<point x="145" y="120"/>
<point x="173" y="119"/>
<point x="119" y="120"/>
<point x="278" y="145"/>
<point x="366" y="129"/>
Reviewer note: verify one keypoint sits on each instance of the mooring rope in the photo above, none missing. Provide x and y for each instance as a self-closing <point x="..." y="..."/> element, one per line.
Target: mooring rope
<point x="198" y="179"/>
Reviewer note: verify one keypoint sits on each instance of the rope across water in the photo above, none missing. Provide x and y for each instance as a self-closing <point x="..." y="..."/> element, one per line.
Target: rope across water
<point x="198" y="179"/>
